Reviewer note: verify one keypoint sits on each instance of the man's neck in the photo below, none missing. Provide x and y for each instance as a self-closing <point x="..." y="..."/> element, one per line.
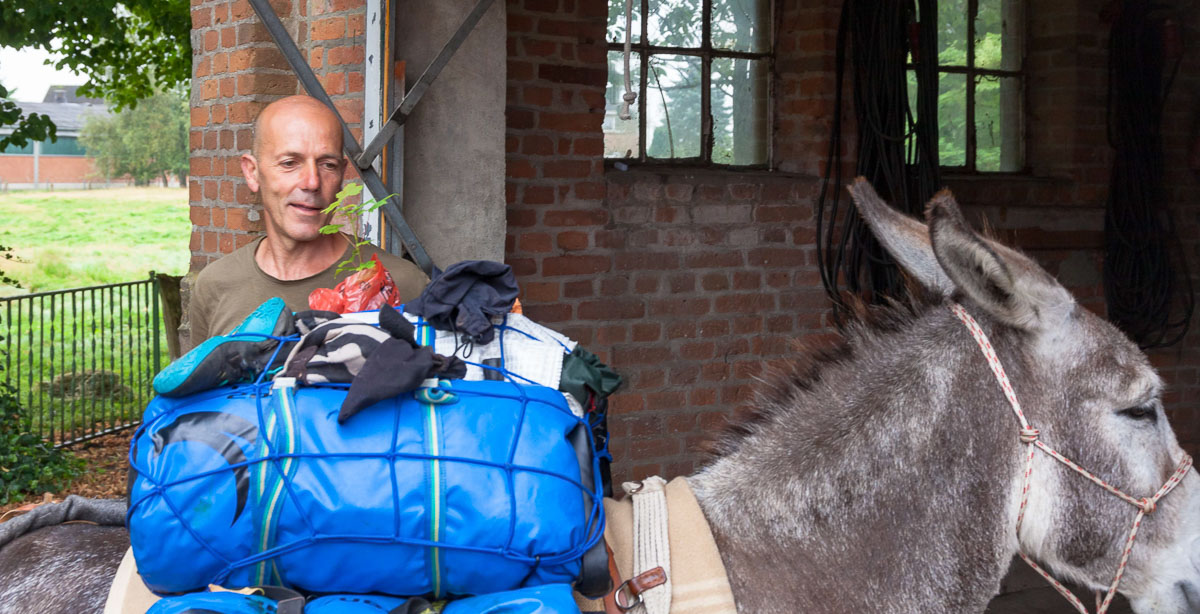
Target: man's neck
<point x="289" y="260"/>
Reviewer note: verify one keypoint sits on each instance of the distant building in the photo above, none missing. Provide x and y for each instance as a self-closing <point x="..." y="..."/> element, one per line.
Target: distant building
<point x="62" y="163"/>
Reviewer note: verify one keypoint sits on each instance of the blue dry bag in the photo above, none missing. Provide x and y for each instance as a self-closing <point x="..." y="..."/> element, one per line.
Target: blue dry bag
<point x="463" y="488"/>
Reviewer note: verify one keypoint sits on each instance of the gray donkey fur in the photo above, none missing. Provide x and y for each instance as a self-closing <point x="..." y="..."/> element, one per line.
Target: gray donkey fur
<point x="884" y="475"/>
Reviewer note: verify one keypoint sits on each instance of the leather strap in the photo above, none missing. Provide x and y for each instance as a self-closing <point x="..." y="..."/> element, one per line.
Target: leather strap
<point x="628" y="594"/>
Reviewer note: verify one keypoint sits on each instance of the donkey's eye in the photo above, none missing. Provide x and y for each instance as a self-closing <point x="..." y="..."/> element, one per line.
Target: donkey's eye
<point x="1142" y="412"/>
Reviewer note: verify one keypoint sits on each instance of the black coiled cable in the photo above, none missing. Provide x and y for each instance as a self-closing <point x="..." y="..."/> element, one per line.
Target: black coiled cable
<point x="1147" y="286"/>
<point x="903" y="170"/>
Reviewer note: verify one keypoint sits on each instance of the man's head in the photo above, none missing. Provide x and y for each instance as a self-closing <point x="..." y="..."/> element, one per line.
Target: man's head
<point x="295" y="166"/>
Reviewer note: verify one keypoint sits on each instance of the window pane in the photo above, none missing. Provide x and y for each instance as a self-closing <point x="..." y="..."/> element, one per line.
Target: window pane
<point x="952" y="32"/>
<point x="739" y="110"/>
<point x="673" y="107"/>
<point x="952" y="119"/>
<point x="675" y="23"/>
<point x="998" y="35"/>
<point x="998" y="124"/>
<point x="65" y="146"/>
<point x="616" y="21"/>
<point x="13" y="149"/>
<point x="741" y="25"/>
<point x="621" y="135"/>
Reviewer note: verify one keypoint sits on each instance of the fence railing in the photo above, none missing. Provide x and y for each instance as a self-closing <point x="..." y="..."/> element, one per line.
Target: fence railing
<point x="82" y="360"/>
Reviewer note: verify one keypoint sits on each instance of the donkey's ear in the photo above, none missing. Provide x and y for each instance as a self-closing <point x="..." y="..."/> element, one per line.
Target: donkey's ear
<point x="1008" y="285"/>
<point x="906" y="239"/>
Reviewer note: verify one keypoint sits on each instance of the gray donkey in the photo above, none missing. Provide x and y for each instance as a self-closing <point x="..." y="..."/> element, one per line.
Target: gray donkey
<point x="888" y="474"/>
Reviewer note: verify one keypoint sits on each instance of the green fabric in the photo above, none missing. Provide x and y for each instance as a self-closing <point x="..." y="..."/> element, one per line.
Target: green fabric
<point x="582" y="371"/>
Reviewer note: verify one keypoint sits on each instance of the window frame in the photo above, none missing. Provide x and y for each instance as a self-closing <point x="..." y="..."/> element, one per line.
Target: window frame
<point x="706" y="52"/>
<point x="972" y="74"/>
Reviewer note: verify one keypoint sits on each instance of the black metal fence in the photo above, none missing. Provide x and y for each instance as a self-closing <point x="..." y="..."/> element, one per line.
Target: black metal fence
<point x="82" y="360"/>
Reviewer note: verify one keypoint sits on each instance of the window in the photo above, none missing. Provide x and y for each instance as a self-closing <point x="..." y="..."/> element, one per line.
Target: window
<point x="702" y="79"/>
<point x="980" y="98"/>
<point x="64" y="146"/>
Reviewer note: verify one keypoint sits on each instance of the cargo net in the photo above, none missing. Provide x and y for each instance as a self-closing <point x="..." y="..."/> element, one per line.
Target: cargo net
<point x="457" y="488"/>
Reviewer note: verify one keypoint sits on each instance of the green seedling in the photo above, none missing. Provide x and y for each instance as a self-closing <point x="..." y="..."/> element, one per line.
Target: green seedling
<point x="355" y="262"/>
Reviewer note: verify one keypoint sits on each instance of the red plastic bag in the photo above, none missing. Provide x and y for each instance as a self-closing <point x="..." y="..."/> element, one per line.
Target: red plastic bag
<point x="364" y="290"/>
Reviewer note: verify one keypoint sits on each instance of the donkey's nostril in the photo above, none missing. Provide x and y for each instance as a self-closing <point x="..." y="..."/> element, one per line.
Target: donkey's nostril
<point x="1191" y="595"/>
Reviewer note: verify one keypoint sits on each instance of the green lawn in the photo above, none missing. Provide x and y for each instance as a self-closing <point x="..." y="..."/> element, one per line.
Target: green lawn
<point x="81" y="238"/>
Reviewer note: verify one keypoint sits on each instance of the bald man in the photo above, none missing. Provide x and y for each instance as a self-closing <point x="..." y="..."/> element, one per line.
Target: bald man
<point x="296" y="167"/>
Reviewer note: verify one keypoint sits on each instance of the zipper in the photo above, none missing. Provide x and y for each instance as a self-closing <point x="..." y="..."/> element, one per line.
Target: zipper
<point x="434" y="449"/>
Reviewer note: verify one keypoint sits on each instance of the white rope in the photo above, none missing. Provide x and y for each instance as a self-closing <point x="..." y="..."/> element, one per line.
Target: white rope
<point x="630" y="96"/>
<point x="651" y="547"/>
<point x="1029" y="437"/>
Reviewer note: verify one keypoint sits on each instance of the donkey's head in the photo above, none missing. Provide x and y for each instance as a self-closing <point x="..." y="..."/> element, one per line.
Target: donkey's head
<point x="1090" y="391"/>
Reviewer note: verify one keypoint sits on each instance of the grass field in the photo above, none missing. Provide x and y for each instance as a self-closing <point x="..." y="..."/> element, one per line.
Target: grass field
<point x="81" y="238"/>
<point x="82" y="361"/>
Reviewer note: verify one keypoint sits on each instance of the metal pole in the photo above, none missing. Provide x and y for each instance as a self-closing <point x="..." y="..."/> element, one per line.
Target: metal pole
<point x="309" y="80"/>
<point x="400" y="115"/>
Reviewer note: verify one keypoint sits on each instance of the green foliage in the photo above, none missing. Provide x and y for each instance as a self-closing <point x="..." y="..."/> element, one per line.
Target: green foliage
<point x="353" y="211"/>
<point x="128" y="49"/>
<point x="29" y="465"/>
<point x="145" y="142"/>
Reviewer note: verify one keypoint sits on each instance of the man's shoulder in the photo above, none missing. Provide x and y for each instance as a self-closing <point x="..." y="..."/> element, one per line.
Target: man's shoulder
<point x="237" y="263"/>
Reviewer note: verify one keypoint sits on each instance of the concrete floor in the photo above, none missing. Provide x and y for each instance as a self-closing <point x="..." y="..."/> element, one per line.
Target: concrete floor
<point x="1025" y="592"/>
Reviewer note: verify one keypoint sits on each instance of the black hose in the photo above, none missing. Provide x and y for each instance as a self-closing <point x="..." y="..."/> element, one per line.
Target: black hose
<point x="1147" y="286"/>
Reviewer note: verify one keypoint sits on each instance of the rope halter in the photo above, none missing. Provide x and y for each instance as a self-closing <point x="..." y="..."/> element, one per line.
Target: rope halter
<point x="1029" y="437"/>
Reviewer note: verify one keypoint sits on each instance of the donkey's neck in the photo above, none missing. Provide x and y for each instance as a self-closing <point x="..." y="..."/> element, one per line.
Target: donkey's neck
<point x="884" y="484"/>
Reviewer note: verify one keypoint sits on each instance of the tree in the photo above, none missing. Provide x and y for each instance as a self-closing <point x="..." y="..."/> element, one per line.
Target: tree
<point x="128" y="50"/>
<point x="146" y="142"/>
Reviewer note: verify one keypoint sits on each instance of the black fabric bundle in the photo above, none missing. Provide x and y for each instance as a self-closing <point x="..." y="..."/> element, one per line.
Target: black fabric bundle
<point x="464" y="297"/>
<point x="378" y="362"/>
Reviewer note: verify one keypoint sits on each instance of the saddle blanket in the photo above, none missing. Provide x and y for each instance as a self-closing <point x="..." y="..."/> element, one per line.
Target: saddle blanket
<point x="699" y="584"/>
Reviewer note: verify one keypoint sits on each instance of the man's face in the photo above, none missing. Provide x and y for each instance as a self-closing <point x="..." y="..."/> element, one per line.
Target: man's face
<point x="297" y="170"/>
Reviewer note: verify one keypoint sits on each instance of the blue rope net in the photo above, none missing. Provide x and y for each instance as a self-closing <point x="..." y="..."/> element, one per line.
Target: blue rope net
<point x="458" y="488"/>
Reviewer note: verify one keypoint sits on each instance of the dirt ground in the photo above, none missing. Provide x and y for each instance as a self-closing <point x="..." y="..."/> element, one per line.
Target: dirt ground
<point x="103" y="477"/>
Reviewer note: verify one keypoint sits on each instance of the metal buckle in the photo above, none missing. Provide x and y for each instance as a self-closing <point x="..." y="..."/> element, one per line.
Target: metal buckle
<point x="623" y="590"/>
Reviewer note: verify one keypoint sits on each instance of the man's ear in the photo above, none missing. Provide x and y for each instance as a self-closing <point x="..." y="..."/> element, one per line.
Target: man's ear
<point x="250" y="171"/>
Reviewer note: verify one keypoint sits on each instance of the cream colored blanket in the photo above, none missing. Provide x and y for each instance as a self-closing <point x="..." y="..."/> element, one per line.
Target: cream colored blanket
<point x="698" y="581"/>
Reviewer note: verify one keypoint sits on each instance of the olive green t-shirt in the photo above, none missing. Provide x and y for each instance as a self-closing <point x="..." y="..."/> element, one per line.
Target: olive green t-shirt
<point x="229" y="289"/>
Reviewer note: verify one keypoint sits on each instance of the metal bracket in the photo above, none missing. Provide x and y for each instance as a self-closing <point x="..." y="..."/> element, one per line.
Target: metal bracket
<point x="353" y="150"/>
<point x="400" y="115"/>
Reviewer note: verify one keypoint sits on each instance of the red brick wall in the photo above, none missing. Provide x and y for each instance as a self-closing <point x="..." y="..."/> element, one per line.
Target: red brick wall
<point x="236" y="71"/>
<point x="51" y="169"/>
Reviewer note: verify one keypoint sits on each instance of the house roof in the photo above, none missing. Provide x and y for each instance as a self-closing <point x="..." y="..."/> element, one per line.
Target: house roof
<point x="68" y="117"/>
<point x="66" y="93"/>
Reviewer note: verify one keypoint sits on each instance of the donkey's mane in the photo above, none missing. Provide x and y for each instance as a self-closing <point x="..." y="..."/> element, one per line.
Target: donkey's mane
<point x="785" y="381"/>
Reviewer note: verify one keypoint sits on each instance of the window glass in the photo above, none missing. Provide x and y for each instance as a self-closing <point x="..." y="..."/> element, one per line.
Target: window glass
<point x="64" y="146"/>
<point x="621" y="136"/>
<point x="13" y="149"/>
<point x="741" y="130"/>
<point x="952" y="32"/>
<point x="673" y="107"/>
<point x="998" y="35"/>
<point x="952" y="119"/>
<point x="674" y="23"/>
<point x="998" y="124"/>
<point x="741" y="25"/>
<point x="616" y="21"/>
